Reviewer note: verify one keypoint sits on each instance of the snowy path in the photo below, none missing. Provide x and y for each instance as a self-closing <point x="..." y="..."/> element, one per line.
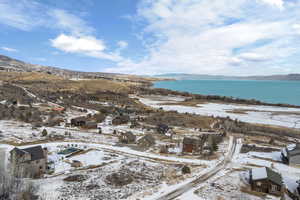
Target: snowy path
<point x="35" y="97"/>
<point x="204" y="177"/>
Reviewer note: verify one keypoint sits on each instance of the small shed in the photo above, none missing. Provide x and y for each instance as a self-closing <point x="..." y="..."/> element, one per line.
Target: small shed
<point x="291" y="154"/>
<point x="76" y="164"/>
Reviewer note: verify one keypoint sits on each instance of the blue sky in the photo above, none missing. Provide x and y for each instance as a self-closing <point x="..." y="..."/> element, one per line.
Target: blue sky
<point x="229" y="37"/>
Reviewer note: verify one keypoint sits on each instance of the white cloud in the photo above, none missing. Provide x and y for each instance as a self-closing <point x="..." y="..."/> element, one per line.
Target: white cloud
<point x="29" y="14"/>
<point x="76" y="35"/>
<point x="255" y="57"/>
<point x="74" y="44"/>
<point x="70" y="23"/>
<point x="21" y="14"/>
<point x="9" y="49"/>
<point x="276" y="3"/>
<point x="215" y="37"/>
<point x="122" y="44"/>
<point x="86" y="45"/>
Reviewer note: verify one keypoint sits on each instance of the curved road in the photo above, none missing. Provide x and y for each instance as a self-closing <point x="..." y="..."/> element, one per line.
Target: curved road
<point x="185" y="188"/>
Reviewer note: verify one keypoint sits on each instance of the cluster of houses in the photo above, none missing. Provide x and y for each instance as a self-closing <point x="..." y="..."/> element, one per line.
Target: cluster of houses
<point x="129" y="138"/>
<point x="205" y="143"/>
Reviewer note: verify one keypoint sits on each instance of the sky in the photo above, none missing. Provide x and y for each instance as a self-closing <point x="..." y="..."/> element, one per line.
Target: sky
<point x="147" y="37"/>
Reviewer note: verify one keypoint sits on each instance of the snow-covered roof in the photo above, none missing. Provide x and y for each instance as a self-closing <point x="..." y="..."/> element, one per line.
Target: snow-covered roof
<point x="259" y="173"/>
<point x="292" y="150"/>
<point x="266" y="173"/>
<point x="291" y="147"/>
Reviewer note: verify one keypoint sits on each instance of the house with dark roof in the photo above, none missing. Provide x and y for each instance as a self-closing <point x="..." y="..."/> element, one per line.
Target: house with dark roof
<point x="127" y="137"/>
<point x="291" y="155"/>
<point x="29" y="162"/>
<point x="78" y="121"/>
<point x="162" y="128"/>
<point x="266" y="180"/>
<point x="90" y="125"/>
<point x="146" y="141"/>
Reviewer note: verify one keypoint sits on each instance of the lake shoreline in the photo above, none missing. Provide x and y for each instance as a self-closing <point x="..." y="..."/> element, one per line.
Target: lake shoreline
<point x="156" y="88"/>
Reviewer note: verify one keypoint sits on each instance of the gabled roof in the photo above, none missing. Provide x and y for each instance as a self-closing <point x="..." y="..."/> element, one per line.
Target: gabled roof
<point x="266" y="173"/>
<point x="188" y="140"/>
<point x="129" y="135"/>
<point x="149" y="138"/>
<point x="18" y="151"/>
<point x="80" y="118"/>
<point x="36" y="152"/>
<point x="293" y="150"/>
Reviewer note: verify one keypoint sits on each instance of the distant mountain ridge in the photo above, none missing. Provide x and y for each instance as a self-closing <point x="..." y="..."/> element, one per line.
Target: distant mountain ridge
<point x="179" y="76"/>
<point x="13" y="65"/>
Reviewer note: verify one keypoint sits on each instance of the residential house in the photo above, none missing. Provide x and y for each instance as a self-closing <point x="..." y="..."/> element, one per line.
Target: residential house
<point x="191" y="145"/>
<point x="28" y="163"/>
<point x="162" y="128"/>
<point x="90" y="125"/>
<point x="78" y="121"/>
<point x="127" y="137"/>
<point x="120" y="119"/>
<point x="291" y="154"/>
<point x="146" y="141"/>
<point x="266" y="180"/>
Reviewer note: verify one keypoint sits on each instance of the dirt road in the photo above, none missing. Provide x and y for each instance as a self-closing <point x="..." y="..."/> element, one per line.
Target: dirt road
<point x="185" y="188"/>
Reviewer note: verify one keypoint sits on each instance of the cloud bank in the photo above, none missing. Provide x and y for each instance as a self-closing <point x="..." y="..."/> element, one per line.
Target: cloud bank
<point x="241" y="37"/>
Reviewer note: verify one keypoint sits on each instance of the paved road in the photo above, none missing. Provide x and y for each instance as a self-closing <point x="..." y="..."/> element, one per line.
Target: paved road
<point x="185" y="188"/>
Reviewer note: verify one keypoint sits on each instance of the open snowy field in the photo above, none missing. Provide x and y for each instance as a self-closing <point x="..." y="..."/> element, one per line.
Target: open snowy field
<point x="280" y="116"/>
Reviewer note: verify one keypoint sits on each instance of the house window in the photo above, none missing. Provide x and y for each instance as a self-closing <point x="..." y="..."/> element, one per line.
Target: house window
<point x="258" y="183"/>
<point x="274" y="188"/>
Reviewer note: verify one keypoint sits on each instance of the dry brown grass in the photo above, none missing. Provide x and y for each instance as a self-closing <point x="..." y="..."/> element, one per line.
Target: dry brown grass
<point x="54" y="83"/>
<point x="98" y="85"/>
<point x="28" y="76"/>
<point x="237" y="111"/>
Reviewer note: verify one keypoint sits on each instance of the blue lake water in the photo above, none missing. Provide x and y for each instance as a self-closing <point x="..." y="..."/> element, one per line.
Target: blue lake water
<point x="267" y="91"/>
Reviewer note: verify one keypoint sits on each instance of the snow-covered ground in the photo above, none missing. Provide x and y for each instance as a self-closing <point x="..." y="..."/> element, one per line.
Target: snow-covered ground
<point x="19" y="132"/>
<point x="280" y="116"/>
